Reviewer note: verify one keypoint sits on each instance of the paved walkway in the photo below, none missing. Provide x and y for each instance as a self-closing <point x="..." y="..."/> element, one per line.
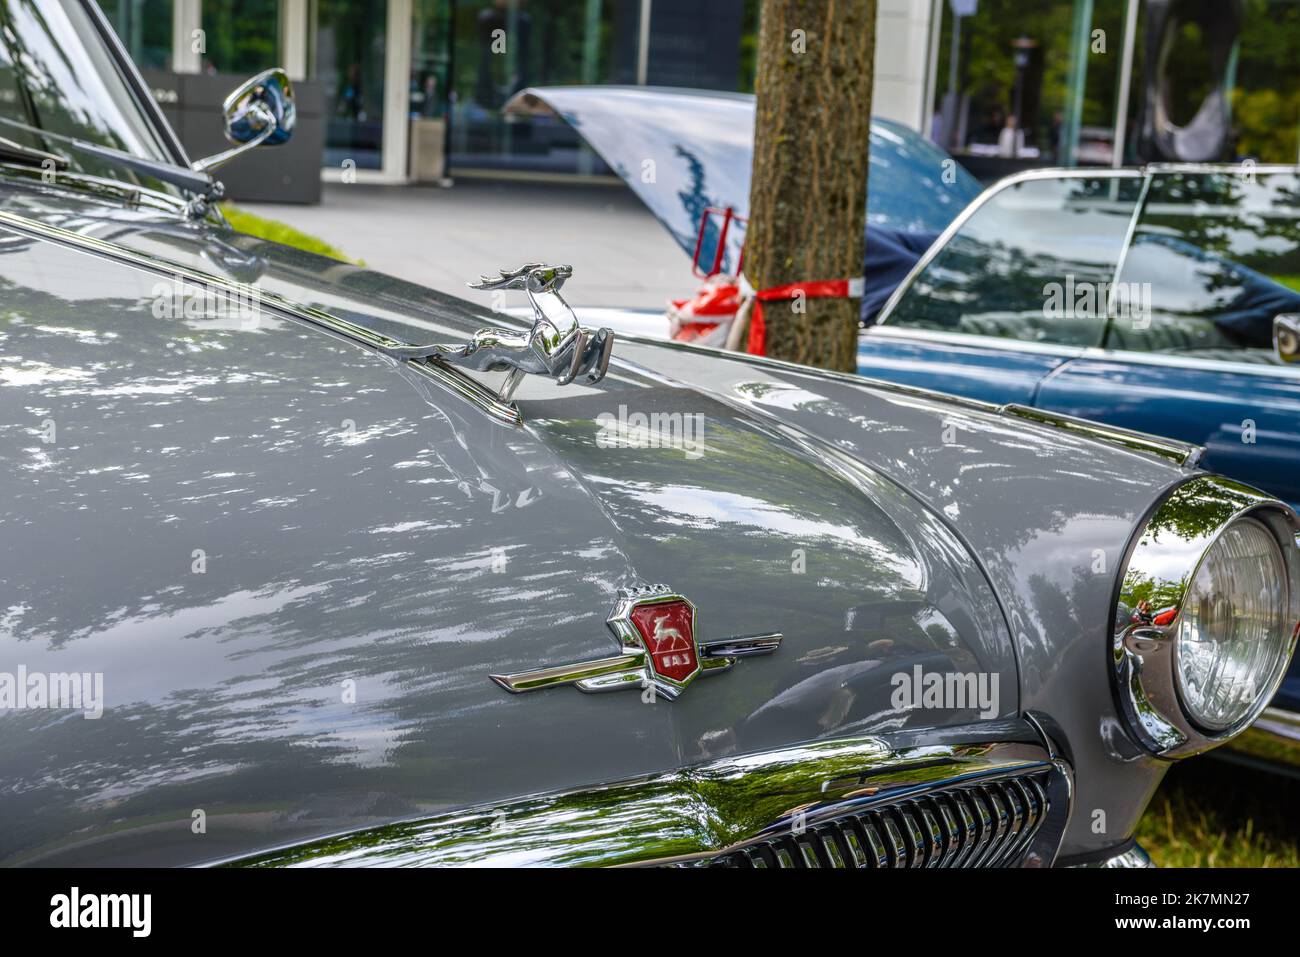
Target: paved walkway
<point x="445" y="237"/>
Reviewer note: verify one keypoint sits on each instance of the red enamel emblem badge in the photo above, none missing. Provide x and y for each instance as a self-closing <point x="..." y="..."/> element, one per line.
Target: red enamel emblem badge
<point x="668" y="630"/>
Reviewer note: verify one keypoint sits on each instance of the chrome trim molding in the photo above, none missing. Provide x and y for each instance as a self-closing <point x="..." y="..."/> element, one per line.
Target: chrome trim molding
<point x="1273" y="739"/>
<point x="1174" y="360"/>
<point x="1232" y="169"/>
<point x="812" y="372"/>
<point x="1132" y="857"/>
<point x="982" y="819"/>
<point x="634" y="668"/>
<point x="1184" y="454"/>
<point x="970" y="339"/>
<point x="469" y="389"/>
<point x="426" y="359"/>
<point x="1163" y="560"/>
<point x="975" y="205"/>
<point x="702" y="811"/>
<point x="1139" y="208"/>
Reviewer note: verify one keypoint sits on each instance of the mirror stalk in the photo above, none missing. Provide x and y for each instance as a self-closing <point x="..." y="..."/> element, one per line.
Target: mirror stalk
<point x="217" y="160"/>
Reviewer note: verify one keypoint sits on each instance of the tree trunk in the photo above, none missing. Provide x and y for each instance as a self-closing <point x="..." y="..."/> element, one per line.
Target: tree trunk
<point x="808" y="198"/>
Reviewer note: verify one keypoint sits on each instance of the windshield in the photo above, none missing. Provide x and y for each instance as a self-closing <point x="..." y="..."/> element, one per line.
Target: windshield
<point x="57" y="74"/>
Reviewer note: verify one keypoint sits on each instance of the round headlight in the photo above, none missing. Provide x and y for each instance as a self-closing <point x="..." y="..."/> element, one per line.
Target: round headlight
<point x="1205" y="616"/>
<point x="1232" y="631"/>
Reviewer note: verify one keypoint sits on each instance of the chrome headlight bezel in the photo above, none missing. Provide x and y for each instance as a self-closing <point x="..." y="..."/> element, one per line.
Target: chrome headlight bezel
<point x="1163" y="559"/>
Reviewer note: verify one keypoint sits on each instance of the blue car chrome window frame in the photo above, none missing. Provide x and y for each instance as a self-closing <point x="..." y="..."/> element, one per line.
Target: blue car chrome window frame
<point x="1060" y="299"/>
<point x="1218" y="252"/>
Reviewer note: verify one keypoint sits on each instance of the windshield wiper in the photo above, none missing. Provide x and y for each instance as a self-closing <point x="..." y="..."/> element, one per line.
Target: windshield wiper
<point x="11" y="152"/>
<point x="199" y="184"/>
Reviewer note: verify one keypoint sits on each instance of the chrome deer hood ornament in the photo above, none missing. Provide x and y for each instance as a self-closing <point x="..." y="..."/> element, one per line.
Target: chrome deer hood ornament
<point x="556" y="346"/>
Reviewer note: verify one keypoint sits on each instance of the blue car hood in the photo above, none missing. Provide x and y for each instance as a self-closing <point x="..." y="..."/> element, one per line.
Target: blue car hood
<point x="683" y="150"/>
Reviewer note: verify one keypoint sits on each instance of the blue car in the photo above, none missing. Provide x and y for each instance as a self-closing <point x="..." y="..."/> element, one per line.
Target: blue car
<point x="1161" y="300"/>
<point x="1164" y="300"/>
<point x="688" y="153"/>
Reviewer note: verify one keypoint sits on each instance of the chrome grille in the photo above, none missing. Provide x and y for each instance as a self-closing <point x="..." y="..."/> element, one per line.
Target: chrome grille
<point x="981" y="823"/>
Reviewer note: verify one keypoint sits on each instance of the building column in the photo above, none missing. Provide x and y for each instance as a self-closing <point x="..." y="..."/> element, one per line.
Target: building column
<point x="643" y="44"/>
<point x="1080" y="41"/>
<point x="397" y="93"/>
<point x="1125" y="83"/>
<point x="294" y="25"/>
<point x="903" y="64"/>
<point x="187" y="26"/>
<point x="932" y="71"/>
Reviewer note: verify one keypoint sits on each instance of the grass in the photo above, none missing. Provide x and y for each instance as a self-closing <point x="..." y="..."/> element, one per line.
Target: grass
<point x="1209" y="813"/>
<point x="278" y="232"/>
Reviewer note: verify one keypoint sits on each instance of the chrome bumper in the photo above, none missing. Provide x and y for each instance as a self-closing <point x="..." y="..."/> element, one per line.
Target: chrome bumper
<point x="839" y="803"/>
<point x="1274" y="740"/>
<point x="1133" y="857"/>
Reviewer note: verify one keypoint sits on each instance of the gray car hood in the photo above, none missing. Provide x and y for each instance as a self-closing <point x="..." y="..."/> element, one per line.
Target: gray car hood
<point x="295" y="562"/>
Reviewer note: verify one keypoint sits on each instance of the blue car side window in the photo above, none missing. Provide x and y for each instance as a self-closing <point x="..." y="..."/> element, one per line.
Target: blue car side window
<point x="1035" y="262"/>
<point x="1215" y="257"/>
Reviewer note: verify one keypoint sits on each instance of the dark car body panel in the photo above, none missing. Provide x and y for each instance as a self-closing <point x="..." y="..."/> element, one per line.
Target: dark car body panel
<point x="1248" y="418"/>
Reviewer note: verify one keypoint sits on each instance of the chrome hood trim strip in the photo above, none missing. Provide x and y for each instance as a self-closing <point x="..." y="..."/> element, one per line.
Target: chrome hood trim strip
<point x="1183" y="454"/>
<point x="416" y="354"/>
<point x="413" y="354"/>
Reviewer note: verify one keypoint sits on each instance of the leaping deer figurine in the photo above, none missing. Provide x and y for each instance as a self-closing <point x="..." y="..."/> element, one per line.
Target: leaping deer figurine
<point x="557" y="345"/>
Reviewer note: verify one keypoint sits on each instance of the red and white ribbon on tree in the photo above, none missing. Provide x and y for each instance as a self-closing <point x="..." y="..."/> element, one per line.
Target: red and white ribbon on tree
<point x="820" y="289"/>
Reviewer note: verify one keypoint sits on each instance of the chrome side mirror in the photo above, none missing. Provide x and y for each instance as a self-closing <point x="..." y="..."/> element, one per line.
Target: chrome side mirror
<point x="1286" y="337"/>
<point x="260" y="110"/>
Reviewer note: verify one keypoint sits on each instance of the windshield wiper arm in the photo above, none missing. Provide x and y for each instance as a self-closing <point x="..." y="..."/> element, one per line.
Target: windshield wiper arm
<point x="12" y="152"/>
<point x="200" y="184"/>
<point x="197" y="183"/>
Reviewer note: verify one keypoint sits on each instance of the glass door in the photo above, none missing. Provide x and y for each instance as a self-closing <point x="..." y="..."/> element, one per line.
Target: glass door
<point x="348" y="56"/>
<point x="241" y="37"/>
<point x="145" y="28"/>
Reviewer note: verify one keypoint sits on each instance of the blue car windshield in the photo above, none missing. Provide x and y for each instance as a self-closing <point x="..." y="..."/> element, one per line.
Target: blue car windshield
<point x="1220" y="253"/>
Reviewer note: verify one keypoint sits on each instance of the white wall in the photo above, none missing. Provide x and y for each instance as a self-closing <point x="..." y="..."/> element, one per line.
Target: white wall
<point x="902" y="60"/>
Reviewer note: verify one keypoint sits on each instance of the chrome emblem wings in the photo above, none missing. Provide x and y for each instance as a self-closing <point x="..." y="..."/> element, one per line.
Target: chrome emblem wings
<point x="657" y="648"/>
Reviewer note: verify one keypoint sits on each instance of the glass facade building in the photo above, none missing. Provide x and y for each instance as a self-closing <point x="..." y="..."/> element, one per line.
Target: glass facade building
<point x="502" y="46"/>
<point x="1102" y="82"/>
<point x="413" y="89"/>
<point x="146" y="28"/>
